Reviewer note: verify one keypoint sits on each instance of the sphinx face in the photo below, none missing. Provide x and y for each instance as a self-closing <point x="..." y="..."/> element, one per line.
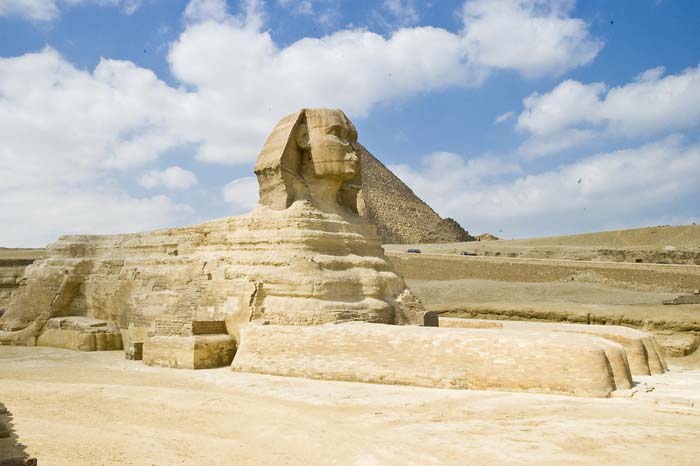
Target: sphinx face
<point x="332" y="138"/>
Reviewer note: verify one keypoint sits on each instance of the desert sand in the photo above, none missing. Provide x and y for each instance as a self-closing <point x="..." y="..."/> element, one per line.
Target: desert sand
<point x="77" y="408"/>
<point x="659" y="244"/>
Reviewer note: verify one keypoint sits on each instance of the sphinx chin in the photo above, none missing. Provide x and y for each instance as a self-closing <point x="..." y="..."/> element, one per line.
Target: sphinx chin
<point x="300" y="286"/>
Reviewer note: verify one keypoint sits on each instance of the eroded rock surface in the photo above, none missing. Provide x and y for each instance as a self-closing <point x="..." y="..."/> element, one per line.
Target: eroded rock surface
<point x="643" y="352"/>
<point x="482" y="359"/>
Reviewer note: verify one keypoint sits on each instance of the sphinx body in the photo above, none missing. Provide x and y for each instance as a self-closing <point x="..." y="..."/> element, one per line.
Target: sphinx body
<point x="302" y="257"/>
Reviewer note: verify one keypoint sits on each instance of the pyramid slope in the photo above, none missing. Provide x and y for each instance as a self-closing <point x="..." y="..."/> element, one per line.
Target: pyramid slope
<point x="401" y="217"/>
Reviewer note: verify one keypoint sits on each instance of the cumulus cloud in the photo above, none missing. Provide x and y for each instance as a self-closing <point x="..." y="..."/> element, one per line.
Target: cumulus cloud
<point x="48" y="10"/>
<point x="574" y="113"/>
<point x="635" y="184"/>
<point x="68" y="132"/>
<point x="242" y="194"/>
<point x="62" y="122"/>
<point x="170" y="178"/>
<point x="255" y="81"/>
<point x="38" y="215"/>
<point x="535" y="37"/>
<point x="203" y="10"/>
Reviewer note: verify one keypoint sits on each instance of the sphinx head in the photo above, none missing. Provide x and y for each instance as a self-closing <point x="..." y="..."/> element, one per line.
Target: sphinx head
<point x="311" y="155"/>
<point x="330" y="144"/>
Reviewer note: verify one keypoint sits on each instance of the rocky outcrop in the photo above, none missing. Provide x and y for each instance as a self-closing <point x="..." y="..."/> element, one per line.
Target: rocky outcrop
<point x="400" y="216"/>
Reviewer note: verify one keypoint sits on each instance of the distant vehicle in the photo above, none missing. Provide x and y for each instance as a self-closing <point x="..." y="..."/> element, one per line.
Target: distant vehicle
<point x="414" y="251"/>
<point x="467" y="253"/>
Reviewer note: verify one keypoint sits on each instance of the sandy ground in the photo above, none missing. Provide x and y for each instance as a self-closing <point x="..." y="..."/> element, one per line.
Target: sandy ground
<point x="72" y="408"/>
<point x="668" y="244"/>
<point x="576" y="301"/>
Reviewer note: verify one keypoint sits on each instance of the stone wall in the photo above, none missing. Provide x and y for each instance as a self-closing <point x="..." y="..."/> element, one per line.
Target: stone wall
<point x="11" y="272"/>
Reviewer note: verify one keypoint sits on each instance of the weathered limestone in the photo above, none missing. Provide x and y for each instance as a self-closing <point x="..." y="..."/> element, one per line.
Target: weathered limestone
<point x="545" y="362"/>
<point x="10" y="275"/>
<point x="303" y="257"/>
<point x="13" y="262"/>
<point x="191" y="352"/>
<point x="81" y="334"/>
<point x="643" y="352"/>
<point x="679" y="344"/>
<point x="190" y="345"/>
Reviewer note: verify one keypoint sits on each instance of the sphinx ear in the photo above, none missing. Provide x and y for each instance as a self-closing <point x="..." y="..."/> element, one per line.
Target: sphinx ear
<point x="302" y="136"/>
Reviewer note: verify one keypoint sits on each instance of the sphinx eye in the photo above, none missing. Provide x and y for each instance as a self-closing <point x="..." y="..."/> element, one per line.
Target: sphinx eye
<point x="337" y="130"/>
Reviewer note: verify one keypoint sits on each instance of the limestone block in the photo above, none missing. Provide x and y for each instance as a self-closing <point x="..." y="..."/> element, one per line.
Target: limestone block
<point x="546" y="362"/>
<point x="189" y="352"/>
<point x="80" y="334"/>
<point x="642" y="353"/>
<point x="67" y="339"/>
<point x="678" y="344"/>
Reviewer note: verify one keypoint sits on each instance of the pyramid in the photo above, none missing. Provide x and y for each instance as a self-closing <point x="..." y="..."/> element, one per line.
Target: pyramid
<point x="401" y="217"/>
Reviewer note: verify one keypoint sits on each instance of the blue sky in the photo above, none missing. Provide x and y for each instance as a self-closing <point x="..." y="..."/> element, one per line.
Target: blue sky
<point x="516" y="117"/>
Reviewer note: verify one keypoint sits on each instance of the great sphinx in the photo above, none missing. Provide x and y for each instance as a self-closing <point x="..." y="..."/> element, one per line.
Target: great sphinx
<point x="300" y="286"/>
<point x="302" y="257"/>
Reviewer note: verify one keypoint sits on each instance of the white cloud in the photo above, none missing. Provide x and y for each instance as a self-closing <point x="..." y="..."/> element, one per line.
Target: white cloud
<point x="404" y="11"/>
<point x="38" y="215"/>
<point x="535" y="37"/>
<point x="35" y="10"/>
<point x="57" y="121"/>
<point x="574" y="113"/>
<point x="48" y="10"/>
<point x="256" y="82"/>
<point x="170" y="178"/>
<point x="502" y="118"/>
<point x="454" y="173"/>
<point x="69" y="133"/>
<point x="203" y="10"/>
<point x="595" y="192"/>
<point x="244" y="81"/>
<point x="242" y="194"/>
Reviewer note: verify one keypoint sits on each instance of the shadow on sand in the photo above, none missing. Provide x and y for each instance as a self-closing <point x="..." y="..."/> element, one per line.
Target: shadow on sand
<point x="12" y="452"/>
